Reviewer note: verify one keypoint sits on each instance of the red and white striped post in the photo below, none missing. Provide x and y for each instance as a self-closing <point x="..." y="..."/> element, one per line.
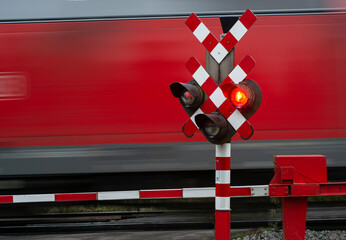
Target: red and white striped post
<point x="222" y="191"/>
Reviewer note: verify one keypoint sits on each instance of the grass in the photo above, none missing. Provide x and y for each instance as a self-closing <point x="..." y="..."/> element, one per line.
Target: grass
<point x="241" y="235"/>
<point x="96" y="208"/>
<point x="340" y="198"/>
<point x="327" y="199"/>
<point x="130" y="205"/>
<point x="238" y="235"/>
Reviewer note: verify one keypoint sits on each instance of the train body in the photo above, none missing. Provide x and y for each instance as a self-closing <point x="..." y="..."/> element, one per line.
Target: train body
<point x="92" y="96"/>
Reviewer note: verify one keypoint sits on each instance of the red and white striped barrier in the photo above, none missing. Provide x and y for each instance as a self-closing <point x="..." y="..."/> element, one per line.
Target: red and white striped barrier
<point x="207" y="192"/>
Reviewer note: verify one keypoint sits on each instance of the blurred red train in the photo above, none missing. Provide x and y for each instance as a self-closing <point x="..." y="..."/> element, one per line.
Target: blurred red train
<point x="92" y="96"/>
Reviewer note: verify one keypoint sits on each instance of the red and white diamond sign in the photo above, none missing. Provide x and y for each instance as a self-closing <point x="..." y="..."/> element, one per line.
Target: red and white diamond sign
<point x="219" y="50"/>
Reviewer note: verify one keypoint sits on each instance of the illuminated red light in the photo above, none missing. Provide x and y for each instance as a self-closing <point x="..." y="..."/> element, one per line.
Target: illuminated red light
<point x="239" y="97"/>
<point x="188" y="98"/>
<point x="187" y="94"/>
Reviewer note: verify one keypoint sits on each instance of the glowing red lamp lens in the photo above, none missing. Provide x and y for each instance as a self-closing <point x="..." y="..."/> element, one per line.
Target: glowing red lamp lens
<point x="188" y="98"/>
<point x="239" y="97"/>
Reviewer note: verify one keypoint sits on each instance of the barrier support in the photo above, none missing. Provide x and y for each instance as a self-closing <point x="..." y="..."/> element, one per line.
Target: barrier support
<point x="297" y="177"/>
<point x="294" y="217"/>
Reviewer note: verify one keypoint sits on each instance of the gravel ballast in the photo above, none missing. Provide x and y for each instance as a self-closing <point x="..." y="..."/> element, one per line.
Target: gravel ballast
<point x="309" y="235"/>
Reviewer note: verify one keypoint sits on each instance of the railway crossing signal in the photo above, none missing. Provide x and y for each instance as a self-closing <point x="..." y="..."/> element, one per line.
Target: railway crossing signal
<point x="220" y="110"/>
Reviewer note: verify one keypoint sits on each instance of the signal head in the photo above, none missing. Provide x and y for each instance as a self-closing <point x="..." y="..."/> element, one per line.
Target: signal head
<point x="240" y="95"/>
<point x="190" y="95"/>
<point x="245" y="96"/>
<point x="214" y="127"/>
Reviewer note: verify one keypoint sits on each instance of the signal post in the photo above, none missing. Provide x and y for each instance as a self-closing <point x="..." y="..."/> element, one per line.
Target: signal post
<point x="219" y="101"/>
<point x="223" y="191"/>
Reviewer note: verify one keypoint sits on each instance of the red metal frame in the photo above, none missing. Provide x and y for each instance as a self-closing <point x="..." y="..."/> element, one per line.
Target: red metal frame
<point x="297" y="177"/>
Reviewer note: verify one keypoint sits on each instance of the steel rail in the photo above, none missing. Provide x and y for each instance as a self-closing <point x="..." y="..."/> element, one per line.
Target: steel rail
<point x="109" y="221"/>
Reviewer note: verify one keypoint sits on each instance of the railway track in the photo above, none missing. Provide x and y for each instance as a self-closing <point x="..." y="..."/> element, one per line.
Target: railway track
<point x="319" y="218"/>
